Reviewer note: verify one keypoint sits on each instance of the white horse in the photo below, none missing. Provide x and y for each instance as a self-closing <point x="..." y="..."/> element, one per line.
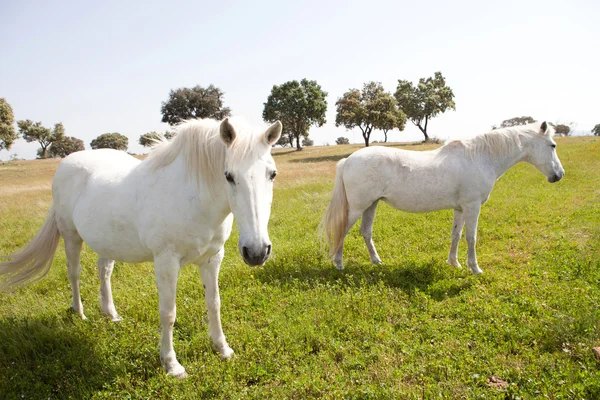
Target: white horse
<point x="459" y="175"/>
<point x="174" y="208"/>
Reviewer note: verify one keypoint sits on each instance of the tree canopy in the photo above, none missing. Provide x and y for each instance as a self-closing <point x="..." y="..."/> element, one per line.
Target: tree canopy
<point x="8" y="135"/>
<point x="562" y="129"/>
<point x="342" y="140"/>
<point x="110" y="141"/>
<point x="36" y="132"/>
<point x="298" y="105"/>
<point x="516" y="121"/>
<point x="371" y="108"/>
<point x="421" y="102"/>
<point x="148" y="139"/>
<point x="196" y="102"/>
<point x="307" y="142"/>
<point x="596" y="130"/>
<point x="65" y="145"/>
<point x="391" y="117"/>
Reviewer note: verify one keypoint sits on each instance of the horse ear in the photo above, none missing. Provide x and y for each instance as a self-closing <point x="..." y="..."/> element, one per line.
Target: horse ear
<point x="227" y="132"/>
<point x="544" y="128"/>
<point x="273" y="133"/>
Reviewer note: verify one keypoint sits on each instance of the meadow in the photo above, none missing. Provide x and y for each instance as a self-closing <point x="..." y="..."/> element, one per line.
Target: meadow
<point x="413" y="328"/>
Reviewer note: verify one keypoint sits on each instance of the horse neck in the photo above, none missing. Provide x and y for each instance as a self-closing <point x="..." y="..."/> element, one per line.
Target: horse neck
<point x="500" y="163"/>
<point x="199" y="179"/>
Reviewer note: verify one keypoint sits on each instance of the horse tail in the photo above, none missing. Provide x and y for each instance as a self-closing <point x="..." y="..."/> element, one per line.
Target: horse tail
<point x="335" y="220"/>
<point x="33" y="261"/>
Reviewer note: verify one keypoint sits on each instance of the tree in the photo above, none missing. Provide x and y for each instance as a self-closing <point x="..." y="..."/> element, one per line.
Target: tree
<point x="429" y="98"/>
<point x="36" y="132"/>
<point x="284" y="141"/>
<point x="196" y="102"/>
<point x="110" y="141"/>
<point x="596" y="130"/>
<point x="392" y="118"/>
<point x="8" y="135"/>
<point x="516" y="121"/>
<point x="298" y="105"/>
<point x="307" y="142"/>
<point x="371" y="108"/>
<point x="342" y="140"/>
<point x="65" y="145"/>
<point x="150" y="138"/>
<point x="562" y="129"/>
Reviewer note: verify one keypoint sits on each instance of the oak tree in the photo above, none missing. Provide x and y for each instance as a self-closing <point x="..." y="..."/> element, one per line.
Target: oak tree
<point x="298" y="105"/>
<point x="8" y="135"/>
<point x="195" y="102"/>
<point x="425" y="100"/>
<point x="368" y="109"/>
<point x="110" y="141"/>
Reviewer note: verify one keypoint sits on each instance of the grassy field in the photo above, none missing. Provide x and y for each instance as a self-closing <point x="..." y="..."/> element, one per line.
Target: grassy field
<point x="412" y="328"/>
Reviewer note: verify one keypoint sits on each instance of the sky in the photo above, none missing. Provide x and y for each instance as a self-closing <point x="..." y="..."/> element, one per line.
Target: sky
<point x="107" y="66"/>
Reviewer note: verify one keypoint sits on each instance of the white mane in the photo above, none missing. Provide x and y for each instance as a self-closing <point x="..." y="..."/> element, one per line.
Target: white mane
<point x="203" y="151"/>
<point x="499" y="142"/>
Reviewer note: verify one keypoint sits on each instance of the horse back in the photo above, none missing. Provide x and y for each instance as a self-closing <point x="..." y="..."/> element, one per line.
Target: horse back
<point x="413" y="181"/>
<point x="93" y="199"/>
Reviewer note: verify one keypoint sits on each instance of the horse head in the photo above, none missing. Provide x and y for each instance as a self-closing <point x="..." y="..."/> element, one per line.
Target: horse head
<point x="542" y="154"/>
<point x="249" y="172"/>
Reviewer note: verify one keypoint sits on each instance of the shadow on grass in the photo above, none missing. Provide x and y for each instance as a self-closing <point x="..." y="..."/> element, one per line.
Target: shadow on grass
<point x="336" y="157"/>
<point x="283" y="152"/>
<point x="436" y="280"/>
<point x="48" y="358"/>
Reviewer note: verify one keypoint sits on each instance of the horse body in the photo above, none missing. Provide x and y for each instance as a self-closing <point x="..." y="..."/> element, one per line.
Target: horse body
<point x="174" y="208"/>
<point x="443" y="181"/>
<point x="128" y="214"/>
<point x="459" y="176"/>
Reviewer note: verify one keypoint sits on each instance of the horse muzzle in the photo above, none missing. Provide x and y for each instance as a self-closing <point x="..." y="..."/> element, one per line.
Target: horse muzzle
<point x="254" y="256"/>
<point x="555" y="177"/>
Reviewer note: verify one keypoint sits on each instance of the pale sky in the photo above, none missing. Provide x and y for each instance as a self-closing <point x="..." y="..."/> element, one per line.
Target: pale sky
<point x="106" y="66"/>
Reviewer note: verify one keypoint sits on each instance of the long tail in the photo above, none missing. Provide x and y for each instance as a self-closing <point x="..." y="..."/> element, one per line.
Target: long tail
<point x="335" y="220"/>
<point x="33" y="261"/>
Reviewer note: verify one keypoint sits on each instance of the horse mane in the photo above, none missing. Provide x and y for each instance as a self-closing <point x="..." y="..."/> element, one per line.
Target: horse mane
<point x="203" y="151"/>
<point x="498" y="142"/>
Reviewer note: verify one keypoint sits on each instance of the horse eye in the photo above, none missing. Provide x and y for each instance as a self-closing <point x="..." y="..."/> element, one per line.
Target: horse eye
<point x="553" y="145"/>
<point x="229" y="177"/>
<point x="273" y="175"/>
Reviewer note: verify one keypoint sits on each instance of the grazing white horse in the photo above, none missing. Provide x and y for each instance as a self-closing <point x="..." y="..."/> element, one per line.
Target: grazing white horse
<point x="459" y="175"/>
<point x="174" y="208"/>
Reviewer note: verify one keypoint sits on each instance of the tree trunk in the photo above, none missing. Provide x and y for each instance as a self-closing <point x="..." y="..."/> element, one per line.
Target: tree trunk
<point x="298" y="143"/>
<point x="44" y="153"/>
<point x="385" y="136"/>
<point x="424" y="131"/>
<point x="366" y="135"/>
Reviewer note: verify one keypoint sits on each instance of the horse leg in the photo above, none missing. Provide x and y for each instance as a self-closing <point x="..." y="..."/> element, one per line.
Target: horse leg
<point x="105" y="268"/>
<point x="366" y="229"/>
<point x="457" y="227"/>
<point x="209" y="272"/>
<point x="471" y="217"/>
<point x="73" y="244"/>
<point x="353" y="216"/>
<point x="166" y="267"/>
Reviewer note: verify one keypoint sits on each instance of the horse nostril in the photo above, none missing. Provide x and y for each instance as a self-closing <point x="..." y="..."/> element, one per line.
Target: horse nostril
<point x="268" y="250"/>
<point x="245" y="253"/>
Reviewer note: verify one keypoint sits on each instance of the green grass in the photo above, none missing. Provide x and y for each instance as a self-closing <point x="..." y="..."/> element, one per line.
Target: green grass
<point x="412" y="328"/>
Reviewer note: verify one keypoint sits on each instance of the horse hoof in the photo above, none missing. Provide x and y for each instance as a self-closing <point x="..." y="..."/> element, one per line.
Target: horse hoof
<point x="178" y="372"/>
<point x="454" y="263"/>
<point x="226" y="353"/>
<point x="116" y="318"/>
<point x="476" y="270"/>
<point x="181" y="375"/>
<point x="377" y="262"/>
<point x="339" y="267"/>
